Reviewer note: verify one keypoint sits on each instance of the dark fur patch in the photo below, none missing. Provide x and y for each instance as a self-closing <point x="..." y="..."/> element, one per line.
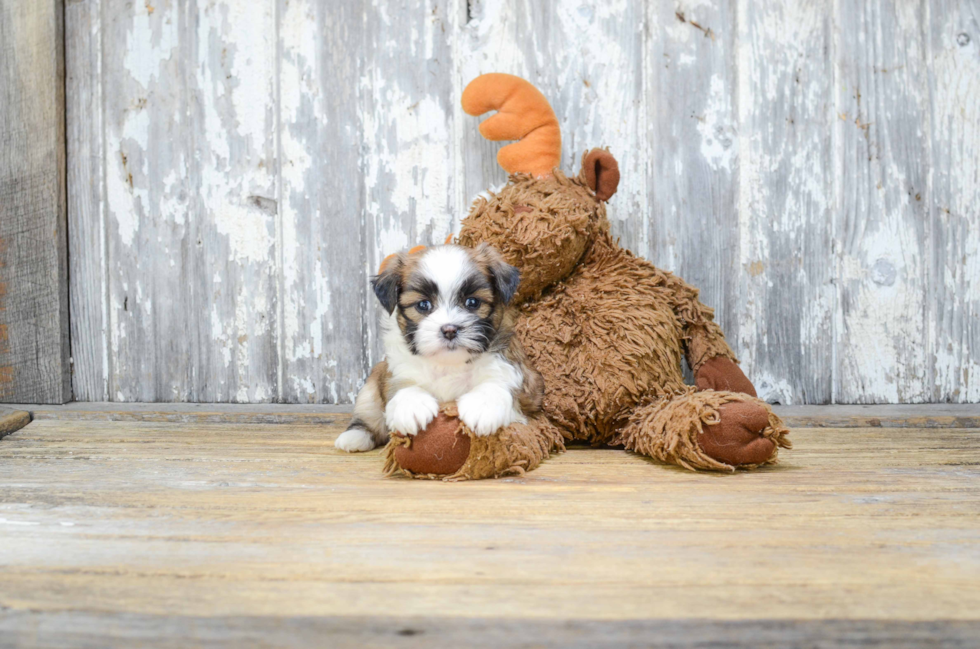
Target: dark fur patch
<point x="422" y="285"/>
<point x="505" y="277"/>
<point x="472" y="285"/>
<point x="408" y="332"/>
<point x="386" y="284"/>
<point x="488" y="333"/>
<point x="357" y="422"/>
<point x="508" y="279"/>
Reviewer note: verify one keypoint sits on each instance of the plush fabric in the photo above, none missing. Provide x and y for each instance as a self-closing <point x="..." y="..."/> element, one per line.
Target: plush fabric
<point x="441" y="449"/>
<point x="437" y="452"/>
<point x="688" y="428"/>
<point x="522" y="114"/>
<point x="721" y="373"/>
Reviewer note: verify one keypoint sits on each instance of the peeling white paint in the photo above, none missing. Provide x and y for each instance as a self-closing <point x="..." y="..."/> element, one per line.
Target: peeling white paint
<point x="719" y="140"/>
<point x="249" y="231"/>
<point x="150" y="43"/>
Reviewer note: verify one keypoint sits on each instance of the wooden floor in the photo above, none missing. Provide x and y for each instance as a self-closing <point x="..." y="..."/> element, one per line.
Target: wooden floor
<point x="185" y="531"/>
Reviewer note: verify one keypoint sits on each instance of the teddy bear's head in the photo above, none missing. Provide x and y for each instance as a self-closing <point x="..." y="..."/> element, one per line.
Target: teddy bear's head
<point x="541" y="221"/>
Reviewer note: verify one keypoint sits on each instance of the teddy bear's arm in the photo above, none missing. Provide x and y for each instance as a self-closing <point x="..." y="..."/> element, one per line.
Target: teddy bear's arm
<point x="703" y="342"/>
<point x="703" y="339"/>
<point x="712" y="361"/>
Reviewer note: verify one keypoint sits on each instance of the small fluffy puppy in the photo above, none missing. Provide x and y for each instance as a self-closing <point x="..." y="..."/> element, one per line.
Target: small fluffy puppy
<point x="448" y="337"/>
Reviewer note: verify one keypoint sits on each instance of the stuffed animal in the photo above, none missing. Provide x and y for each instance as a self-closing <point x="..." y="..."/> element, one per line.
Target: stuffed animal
<point x="607" y="330"/>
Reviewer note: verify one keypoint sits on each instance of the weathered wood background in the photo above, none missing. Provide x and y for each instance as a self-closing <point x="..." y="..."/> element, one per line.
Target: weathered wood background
<point x="34" y="346"/>
<point x="238" y="168"/>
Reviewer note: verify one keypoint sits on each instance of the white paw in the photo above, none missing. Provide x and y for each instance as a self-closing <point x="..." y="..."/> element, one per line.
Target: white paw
<point x="486" y="411"/>
<point x="355" y="440"/>
<point x="410" y="410"/>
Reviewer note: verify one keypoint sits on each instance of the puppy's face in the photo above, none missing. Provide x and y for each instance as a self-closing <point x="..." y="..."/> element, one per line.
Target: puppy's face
<point x="448" y="299"/>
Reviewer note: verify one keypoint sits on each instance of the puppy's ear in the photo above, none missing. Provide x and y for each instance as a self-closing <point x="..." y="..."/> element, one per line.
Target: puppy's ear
<point x="506" y="278"/>
<point x="387" y="282"/>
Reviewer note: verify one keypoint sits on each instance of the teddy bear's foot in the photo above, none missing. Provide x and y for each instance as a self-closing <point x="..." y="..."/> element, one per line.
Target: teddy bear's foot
<point x="448" y="450"/>
<point x="738" y="439"/>
<point x="711" y="430"/>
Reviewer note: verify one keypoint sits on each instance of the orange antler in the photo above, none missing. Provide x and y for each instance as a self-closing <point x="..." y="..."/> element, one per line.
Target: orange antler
<point x="523" y="114"/>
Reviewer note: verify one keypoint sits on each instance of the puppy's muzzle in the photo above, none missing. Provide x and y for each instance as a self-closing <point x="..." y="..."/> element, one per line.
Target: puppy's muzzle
<point x="449" y="331"/>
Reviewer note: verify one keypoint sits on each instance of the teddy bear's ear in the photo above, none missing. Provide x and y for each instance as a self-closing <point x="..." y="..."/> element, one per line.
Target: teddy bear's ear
<point x="601" y="172"/>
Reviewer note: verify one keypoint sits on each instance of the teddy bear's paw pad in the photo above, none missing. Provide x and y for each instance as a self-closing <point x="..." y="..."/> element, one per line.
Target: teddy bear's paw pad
<point x="723" y="375"/>
<point x="737" y="438"/>
<point x="441" y="448"/>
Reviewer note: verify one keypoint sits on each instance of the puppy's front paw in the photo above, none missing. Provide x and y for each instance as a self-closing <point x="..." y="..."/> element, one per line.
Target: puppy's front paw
<point x="486" y="411"/>
<point x="354" y="440"/>
<point x="410" y="410"/>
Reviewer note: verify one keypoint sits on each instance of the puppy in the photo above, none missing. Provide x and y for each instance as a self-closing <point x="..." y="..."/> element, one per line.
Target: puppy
<point x="448" y="337"/>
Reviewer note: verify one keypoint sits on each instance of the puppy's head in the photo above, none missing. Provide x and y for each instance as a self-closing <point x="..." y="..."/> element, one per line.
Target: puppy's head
<point x="448" y="299"/>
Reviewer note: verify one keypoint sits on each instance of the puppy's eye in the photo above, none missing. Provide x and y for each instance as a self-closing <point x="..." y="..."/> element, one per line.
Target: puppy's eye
<point x="424" y="306"/>
<point x="472" y="303"/>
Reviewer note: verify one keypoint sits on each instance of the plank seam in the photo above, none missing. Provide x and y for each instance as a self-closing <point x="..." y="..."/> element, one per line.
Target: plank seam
<point x="280" y="201"/>
<point x="107" y="359"/>
<point x="837" y="248"/>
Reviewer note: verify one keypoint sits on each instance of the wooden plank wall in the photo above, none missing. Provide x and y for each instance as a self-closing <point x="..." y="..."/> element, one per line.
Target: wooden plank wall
<point x="239" y="168"/>
<point x="34" y="352"/>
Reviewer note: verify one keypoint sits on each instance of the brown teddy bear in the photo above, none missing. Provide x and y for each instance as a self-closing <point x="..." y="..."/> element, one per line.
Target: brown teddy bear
<point x="607" y="330"/>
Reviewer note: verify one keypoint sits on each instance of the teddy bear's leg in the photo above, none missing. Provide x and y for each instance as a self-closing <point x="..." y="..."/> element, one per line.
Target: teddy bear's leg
<point x="706" y="430"/>
<point x="448" y="450"/>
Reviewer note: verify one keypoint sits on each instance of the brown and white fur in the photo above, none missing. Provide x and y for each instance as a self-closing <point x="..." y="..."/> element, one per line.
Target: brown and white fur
<point x="448" y="337"/>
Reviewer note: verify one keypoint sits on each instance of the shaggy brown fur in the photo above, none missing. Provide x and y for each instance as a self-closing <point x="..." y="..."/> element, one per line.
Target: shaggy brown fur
<point x="514" y="450"/>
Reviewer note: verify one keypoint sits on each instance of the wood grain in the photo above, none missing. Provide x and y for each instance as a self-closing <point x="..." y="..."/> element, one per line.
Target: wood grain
<point x="838" y="416"/>
<point x="324" y="310"/>
<point x="34" y="346"/>
<point x="188" y="159"/>
<point x="786" y="192"/>
<point x="12" y="420"/>
<point x="811" y="167"/>
<point x="142" y="525"/>
<point x="883" y="222"/>
<point x="953" y="316"/>
<point x="87" y="201"/>
<point x="692" y="172"/>
<point x="89" y="631"/>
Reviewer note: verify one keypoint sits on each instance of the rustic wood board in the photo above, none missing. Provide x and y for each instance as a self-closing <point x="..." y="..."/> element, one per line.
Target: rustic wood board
<point x="690" y="162"/>
<point x="174" y="533"/>
<point x="88" y="631"/>
<point x="239" y="167"/>
<point x="881" y="416"/>
<point x="785" y="200"/>
<point x="12" y="420"/>
<point x="884" y="224"/>
<point x="953" y="33"/>
<point x="34" y="350"/>
<point x="87" y="240"/>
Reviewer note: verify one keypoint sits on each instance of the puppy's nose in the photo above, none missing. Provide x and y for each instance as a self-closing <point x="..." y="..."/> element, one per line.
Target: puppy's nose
<point x="449" y="331"/>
